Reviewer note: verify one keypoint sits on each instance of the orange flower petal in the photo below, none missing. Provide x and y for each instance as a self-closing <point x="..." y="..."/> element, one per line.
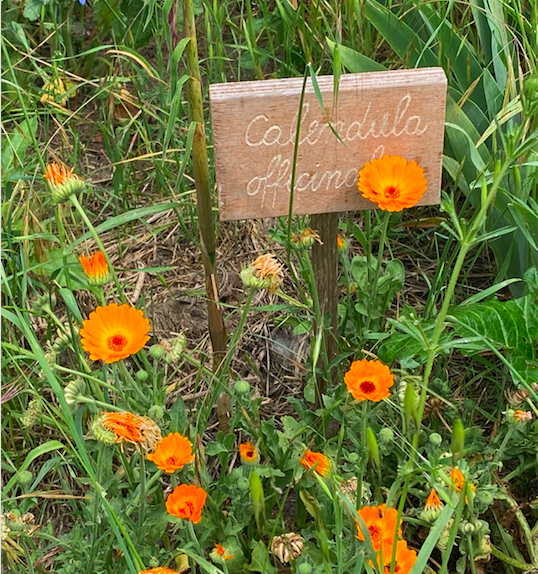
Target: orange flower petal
<point x="310" y="458"/>
<point x="173" y="453"/>
<point x="187" y="501"/>
<point x="369" y="380"/>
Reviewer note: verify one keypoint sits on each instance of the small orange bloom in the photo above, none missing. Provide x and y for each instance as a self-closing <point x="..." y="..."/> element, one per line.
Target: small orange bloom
<point x="310" y="458"/>
<point x="268" y="267"/>
<point x="58" y="174"/>
<point x="173" y="453"/>
<point x="369" y="380"/>
<point x="522" y="416"/>
<point x="381" y="524"/>
<point x="404" y="560"/>
<point x="222" y="552"/>
<point x="392" y="183"/>
<point x="140" y="431"/>
<point x="159" y="570"/>
<point x="114" y="332"/>
<point x="187" y="501"/>
<point x="95" y="268"/>
<point x="249" y="453"/>
<point x="458" y="480"/>
<point x="433" y="501"/>
<point x="339" y="242"/>
<point x="63" y="182"/>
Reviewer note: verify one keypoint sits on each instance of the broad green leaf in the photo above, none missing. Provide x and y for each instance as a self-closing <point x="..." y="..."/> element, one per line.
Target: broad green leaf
<point x="354" y="61"/>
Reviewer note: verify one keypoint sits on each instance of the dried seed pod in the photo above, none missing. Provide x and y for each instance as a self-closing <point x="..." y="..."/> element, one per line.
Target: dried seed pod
<point x="287" y="547"/>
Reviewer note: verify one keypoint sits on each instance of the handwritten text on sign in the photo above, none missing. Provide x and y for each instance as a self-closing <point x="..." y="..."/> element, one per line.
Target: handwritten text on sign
<point x="254" y="129"/>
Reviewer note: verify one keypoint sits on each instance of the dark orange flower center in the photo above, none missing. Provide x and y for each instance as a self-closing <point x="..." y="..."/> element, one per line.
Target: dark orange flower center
<point x="117" y="342"/>
<point x="187" y="509"/>
<point x="367" y="387"/>
<point x="392" y="191"/>
<point x="249" y="454"/>
<point x="173" y="461"/>
<point x="375" y="533"/>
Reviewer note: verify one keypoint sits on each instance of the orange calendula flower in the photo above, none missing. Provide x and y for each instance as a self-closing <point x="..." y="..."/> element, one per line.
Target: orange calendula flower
<point x="392" y="183"/>
<point x="249" y="453"/>
<point x="404" y="560"/>
<point x="321" y="462"/>
<point x="458" y="480"/>
<point x="173" y="453"/>
<point x="114" y="332"/>
<point x="306" y="239"/>
<point x="369" y="380"/>
<point x="381" y="524"/>
<point x="264" y="273"/>
<point x="95" y="268"/>
<point x="134" y="429"/>
<point x="159" y="570"/>
<point x="221" y="551"/>
<point x="187" y="501"/>
<point x="63" y="182"/>
<point x="340" y="242"/>
<point x="432" y="508"/>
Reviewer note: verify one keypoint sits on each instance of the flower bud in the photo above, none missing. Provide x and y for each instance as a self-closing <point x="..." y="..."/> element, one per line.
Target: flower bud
<point x="73" y="391"/>
<point x="25" y="478"/>
<point x="305" y="239"/>
<point x="242" y="387"/>
<point x="373" y="448"/>
<point x="142" y="376"/>
<point x="386" y="435"/>
<point x="304" y="568"/>
<point x="467" y="527"/>
<point x="63" y="183"/>
<point x="410" y="404"/>
<point x="44" y="304"/>
<point x="518" y="417"/>
<point x="177" y="346"/>
<point x="435" y="439"/>
<point x="31" y="414"/>
<point x="156" y="412"/>
<point x="353" y="457"/>
<point x="458" y="439"/>
<point x="258" y="497"/>
<point x="242" y="483"/>
<point x="100" y="433"/>
<point x="156" y="352"/>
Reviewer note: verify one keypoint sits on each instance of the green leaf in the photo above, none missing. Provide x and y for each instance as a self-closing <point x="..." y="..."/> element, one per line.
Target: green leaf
<point x="261" y="560"/>
<point x="32" y="9"/>
<point x="354" y="61"/>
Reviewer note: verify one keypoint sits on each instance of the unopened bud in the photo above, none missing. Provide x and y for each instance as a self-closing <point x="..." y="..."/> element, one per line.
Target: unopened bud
<point x="458" y="439"/>
<point x="25" y="478"/>
<point x="156" y="351"/>
<point x="242" y="387"/>
<point x="436" y="439"/>
<point x="304" y="568"/>
<point x="142" y="376"/>
<point x="258" y="497"/>
<point x="373" y="448"/>
<point x="386" y="435"/>
<point x="156" y="412"/>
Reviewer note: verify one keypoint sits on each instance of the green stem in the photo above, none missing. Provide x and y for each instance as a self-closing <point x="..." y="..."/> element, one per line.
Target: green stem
<point x="364" y="461"/>
<point x="509" y="560"/>
<point x="89" y="224"/>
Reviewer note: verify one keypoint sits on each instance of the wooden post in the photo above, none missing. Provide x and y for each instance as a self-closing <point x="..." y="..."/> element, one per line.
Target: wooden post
<point x="325" y="264"/>
<point x="217" y="330"/>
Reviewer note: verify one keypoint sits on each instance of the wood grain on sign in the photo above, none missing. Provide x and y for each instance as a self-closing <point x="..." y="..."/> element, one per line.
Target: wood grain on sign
<point x="398" y="112"/>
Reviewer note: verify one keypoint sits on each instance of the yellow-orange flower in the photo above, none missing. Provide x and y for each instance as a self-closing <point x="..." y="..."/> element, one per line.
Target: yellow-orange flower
<point x="321" y="462"/>
<point x="187" y="501"/>
<point x="392" y="183"/>
<point x="521" y="416"/>
<point x="114" y="332"/>
<point x="404" y="560"/>
<point x="249" y="453"/>
<point x="127" y="427"/>
<point x="340" y="243"/>
<point x="433" y="501"/>
<point x="95" y="268"/>
<point x="173" y="453"/>
<point x="369" y="380"/>
<point x="221" y="551"/>
<point x="63" y="182"/>
<point x="266" y="272"/>
<point x="458" y="480"/>
<point x="381" y="524"/>
<point x="159" y="570"/>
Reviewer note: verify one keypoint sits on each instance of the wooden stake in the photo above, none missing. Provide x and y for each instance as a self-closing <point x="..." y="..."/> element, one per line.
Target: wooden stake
<point x="325" y="265"/>
<point x="217" y="330"/>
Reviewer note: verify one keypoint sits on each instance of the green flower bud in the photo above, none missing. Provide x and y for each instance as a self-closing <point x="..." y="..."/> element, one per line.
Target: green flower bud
<point x="442" y="542"/>
<point x="242" y="483"/>
<point x="25" y="478"/>
<point x="100" y="433"/>
<point x="74" y="391"/>
<point x="353" y="457"/>
<point x="436" y="439"/>
<point x="63" y="183"/>
<point x="467" y="527"/>
<point x="156" y="412"/>
<point x="304" y="568"/>
<point x="484" y="498"/>
<point x="242" y="387"/>
<point x="458" y="439"/>
<point x="142" y="376"/>
<point x="154" y="562"/>
<point x="250" y="280"/>
<point x="410" y="404"/>
<point x="156" y="352"/>
<point x="386" y="435"/>
<point x="44" y="304"/>
<point x="61" y="343"/>
<point x="258" y="497"/>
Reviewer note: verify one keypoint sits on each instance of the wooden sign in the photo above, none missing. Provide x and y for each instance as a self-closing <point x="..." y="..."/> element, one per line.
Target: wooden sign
<point x="398" y="112"/>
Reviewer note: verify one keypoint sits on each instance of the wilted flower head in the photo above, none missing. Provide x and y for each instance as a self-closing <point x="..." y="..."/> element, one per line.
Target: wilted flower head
<point x="392" y="183"/>
<point x="56" y="90"/>
<point x="369" y="380"/>
<point x="316" y="460"/>
<point x="306" y="239"/>
<point x="221" y="552"/>
<point x="141" y="432"/>
<point x="287" y="547"/>
<point x="173" y="453"/>
<point x="95" y="268"/>
<point x="264" y="273"/>
<point x="174" y="348"/>
<point x="63" y="182"/>
<point x="518" y="417"/>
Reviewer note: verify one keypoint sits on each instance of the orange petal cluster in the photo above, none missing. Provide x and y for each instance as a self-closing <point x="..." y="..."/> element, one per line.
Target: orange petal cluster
<point x="433" y="502"/>
<point x="187" y="501"/>
<point x="173" y="453"/>
<point x="159" y="570"/>
<point x="458" y="480"/>
<point x="131" y="428"/>
<point x="249" y="453"/>
<point x="221" y="551"/>
<point x="392" y="182"/>
<point x="369" y="380"/>
<point x="268" y="267"/>
<point x="114" y="332"/>
<point x="382" y="526"/>
<point x="95" y="268"/>
<point x="58" y="174"/>
<point x="316" y="460"/>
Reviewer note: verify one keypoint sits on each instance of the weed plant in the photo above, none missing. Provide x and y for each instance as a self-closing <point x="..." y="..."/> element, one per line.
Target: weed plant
<point x="111" y="461"/>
